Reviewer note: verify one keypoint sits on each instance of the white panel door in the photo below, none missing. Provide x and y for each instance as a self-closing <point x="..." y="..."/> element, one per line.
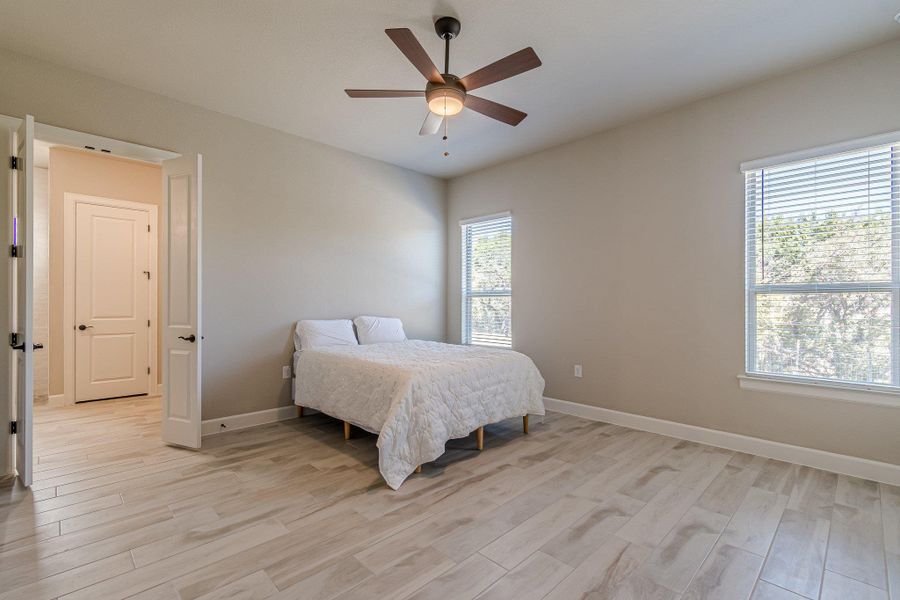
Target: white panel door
<point x="181" y="319"/>
<point x="112" y="302"/>
<point x="24" y="300"/>
<point x="7" y="323"/>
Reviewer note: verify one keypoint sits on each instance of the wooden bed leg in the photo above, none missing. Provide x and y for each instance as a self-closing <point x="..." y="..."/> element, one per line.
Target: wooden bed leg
<point x="525" y="424"/>
<point x="479" y="435"/>
<point x="346" y="430"/>
<point x="299" y="412"/>
<point x="419" y="469"/>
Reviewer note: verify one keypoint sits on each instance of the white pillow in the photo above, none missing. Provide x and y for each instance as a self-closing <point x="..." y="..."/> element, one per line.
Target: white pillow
<point x="376" y="330"/>
<point x="310" y="334"/>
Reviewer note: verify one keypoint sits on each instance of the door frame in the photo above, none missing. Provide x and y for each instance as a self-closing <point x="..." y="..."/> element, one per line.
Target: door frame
<point x="76" y="139"/>
<point x="70" y="201"/>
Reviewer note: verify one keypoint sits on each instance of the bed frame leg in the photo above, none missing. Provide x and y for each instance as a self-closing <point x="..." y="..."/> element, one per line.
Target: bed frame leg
<point x="419" y="469"/>
<point x="525" y="424"/>
<point x="479" y="435"/>
<point x="299" y="412"/>
<point x="346" y="430"/>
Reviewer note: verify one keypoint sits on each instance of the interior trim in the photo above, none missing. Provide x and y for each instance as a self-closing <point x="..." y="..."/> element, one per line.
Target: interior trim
<point x="859" y="394"/>
<point x="245" y="420"/>
<point x="810" y="457"/>
<point x="871" y="141"/>
<point x="80" y="139"/>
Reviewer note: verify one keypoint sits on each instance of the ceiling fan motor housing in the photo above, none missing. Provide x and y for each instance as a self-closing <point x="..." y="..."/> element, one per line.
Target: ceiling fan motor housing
<point x="451" y="89"/>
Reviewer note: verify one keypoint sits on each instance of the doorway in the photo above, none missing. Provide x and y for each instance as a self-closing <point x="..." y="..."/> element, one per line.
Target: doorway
<point x="95" y="280"/>
<point x="116" y="322"/>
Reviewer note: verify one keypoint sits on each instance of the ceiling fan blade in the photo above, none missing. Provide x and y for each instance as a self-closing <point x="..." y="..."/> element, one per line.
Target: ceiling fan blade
<point x="512" y="65"/>
<point x="432" y="124"/>
<point x="385" y="93"/>
<point x="413" y="50"/>
<point x="491" y="109"/>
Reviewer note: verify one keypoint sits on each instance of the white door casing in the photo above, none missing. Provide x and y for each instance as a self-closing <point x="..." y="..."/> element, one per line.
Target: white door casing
<point x="112" y="301"/>
<point x="180" y="259"/>
<point x="24" y="300"/>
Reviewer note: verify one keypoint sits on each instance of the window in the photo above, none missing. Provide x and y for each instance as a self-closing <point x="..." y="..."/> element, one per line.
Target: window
<point x="487" y="281"/>
<point x="823" y="268"/>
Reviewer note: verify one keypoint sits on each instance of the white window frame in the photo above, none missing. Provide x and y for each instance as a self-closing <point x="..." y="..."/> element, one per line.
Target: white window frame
<point x="867" y="393"/>
<point x="465" y="287"/>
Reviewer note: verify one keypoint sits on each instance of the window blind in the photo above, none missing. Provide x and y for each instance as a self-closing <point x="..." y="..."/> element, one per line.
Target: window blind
<point x="487" y="281"/>
<point x="823" y="268"/>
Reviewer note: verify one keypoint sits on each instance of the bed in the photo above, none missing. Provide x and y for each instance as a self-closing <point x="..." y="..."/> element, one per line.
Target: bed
<point x="415" y="395"/>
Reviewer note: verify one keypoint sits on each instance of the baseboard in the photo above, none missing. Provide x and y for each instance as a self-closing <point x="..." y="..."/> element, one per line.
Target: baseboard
<point x="56" y="400"/>
<point x="810" y="457"/>
<point x="252" y="419"/>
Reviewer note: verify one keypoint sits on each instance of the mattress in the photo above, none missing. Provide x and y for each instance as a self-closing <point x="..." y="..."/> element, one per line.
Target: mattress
<point x="416" y="394"/>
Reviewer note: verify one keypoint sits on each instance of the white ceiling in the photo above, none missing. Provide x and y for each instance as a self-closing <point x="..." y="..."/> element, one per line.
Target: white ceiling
<point x="285" y="63"/>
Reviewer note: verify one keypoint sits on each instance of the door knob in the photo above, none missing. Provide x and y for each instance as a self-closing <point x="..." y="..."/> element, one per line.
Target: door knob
<point x="191" y="338"/>
<point x="82" y="327"/>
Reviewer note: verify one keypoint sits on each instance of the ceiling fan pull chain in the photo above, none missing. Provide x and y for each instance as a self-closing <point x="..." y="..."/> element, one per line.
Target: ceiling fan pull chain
<point x="446" y="128"/>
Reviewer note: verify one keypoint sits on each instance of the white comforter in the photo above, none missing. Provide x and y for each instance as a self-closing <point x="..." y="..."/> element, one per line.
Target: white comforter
<point x="416" y="395"/>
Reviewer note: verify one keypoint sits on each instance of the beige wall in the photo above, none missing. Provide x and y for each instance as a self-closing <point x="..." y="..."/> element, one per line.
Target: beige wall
<point x="292" y="229"/>
<point x="41" y="315"/>
<point x="628" y="254"/>
<point x="93" y="174"/>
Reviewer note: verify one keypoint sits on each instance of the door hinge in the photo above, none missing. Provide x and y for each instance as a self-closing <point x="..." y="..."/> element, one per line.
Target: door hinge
<point x="148" y="322"/>
<point x="13" y="427"/>
<point x="148" y="370"/>
<point x="13" y="339"/>
<point x="13" y="162"/>
<point x="148" y="229"/>
<point x="14" y="251"/>
<point x="147" y="273"/>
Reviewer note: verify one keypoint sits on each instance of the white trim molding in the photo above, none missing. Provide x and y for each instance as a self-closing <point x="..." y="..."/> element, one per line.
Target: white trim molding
<point x="479" y="219"/>
<point x="810" y="457"/>
<point x="860" y="394"/>
<point x="109" y="146"/>
<point x="847" y="146"/>
<point x="245" y="420"/>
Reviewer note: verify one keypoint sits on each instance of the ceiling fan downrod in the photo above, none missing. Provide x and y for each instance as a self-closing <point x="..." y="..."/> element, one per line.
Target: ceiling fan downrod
<point x="447" y="28"/>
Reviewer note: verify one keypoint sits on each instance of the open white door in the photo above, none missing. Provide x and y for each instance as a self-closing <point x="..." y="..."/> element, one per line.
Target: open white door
<point x="7" y="323"/>
<point x="180" y="267"/>
<point x="23" y="305"/>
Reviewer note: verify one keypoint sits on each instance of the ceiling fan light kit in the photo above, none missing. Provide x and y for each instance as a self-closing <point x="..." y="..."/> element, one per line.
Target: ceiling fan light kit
<point x="445" y="99"/>
<point x="445" y="93"/>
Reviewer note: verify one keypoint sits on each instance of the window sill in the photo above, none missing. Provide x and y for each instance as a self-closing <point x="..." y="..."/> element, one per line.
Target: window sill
<point x="859" y="394"/>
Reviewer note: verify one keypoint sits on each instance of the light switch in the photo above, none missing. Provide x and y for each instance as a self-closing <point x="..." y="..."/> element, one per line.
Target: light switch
<point x="577" y="370"/>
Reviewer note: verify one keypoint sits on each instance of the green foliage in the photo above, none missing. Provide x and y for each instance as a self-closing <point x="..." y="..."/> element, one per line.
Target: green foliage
<point x="843" y="335"/>
<point x="491" y="271"/>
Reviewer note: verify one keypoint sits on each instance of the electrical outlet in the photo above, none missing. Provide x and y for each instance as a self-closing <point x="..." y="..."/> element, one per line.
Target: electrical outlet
<point x="577" y="370"/>
<point x="286" y="372"/>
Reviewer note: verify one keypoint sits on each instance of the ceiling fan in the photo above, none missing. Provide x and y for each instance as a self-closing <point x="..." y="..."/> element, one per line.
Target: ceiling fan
<point x="447" y="94"/>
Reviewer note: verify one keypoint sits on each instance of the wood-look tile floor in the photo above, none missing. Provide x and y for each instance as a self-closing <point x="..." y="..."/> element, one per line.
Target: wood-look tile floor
<point x="576" y="509"/>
